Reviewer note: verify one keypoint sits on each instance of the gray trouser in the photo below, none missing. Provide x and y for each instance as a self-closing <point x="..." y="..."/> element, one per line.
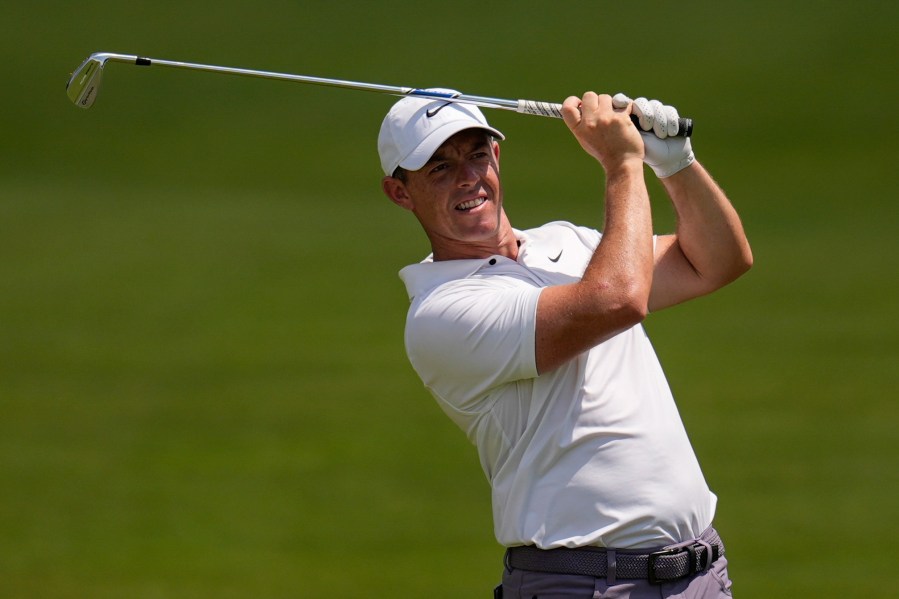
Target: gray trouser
<point x="712" y="583"/>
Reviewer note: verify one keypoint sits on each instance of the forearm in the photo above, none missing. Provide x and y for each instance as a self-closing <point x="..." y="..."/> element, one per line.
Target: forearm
<point x="620" y="270"/>
<point x="613" y="293"/>
<point x="709" y="231"/>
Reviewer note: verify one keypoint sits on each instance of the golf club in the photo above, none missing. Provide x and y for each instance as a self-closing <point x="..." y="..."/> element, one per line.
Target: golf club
<point x="83" y="86"/>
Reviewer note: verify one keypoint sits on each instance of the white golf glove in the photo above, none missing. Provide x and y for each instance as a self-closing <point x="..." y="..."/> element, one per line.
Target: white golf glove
<point x="665" y="155"/>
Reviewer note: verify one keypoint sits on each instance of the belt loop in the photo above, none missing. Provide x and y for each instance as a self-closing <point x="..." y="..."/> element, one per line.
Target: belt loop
<point x="709" y="555"/>
<point x="611" y="566"/>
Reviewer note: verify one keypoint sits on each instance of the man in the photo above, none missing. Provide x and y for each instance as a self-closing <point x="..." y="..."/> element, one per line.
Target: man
<point x="531" y="341"/>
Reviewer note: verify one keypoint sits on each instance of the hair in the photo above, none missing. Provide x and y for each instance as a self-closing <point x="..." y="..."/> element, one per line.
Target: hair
<point x="402" y="174"/>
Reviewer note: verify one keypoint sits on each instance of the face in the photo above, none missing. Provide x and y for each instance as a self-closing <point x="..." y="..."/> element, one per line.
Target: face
<point x="457" y="196"/>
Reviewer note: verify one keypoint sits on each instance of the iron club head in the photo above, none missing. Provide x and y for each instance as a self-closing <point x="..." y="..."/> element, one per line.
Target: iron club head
<point x="85" y="81"/>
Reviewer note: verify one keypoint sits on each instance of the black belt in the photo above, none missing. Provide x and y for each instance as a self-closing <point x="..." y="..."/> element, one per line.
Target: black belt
<point x="665" y="565"/>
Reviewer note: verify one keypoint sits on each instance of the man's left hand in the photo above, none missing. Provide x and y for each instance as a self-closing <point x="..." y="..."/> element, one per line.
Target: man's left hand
<point x="664" y="153"/>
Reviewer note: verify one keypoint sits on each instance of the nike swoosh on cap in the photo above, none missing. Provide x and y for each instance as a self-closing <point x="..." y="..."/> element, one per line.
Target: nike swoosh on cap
<point x="433" y="111"/>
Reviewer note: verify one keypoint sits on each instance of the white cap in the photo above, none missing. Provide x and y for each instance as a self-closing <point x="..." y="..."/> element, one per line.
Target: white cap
<point x="415" y="127"/>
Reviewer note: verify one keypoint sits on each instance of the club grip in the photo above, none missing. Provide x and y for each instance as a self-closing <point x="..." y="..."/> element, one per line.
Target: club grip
<point x="540" y="108"/>
<point x="684" y="125"/>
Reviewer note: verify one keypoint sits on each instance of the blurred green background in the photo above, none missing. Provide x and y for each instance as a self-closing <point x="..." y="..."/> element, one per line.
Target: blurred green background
<point x="203" y="387"/>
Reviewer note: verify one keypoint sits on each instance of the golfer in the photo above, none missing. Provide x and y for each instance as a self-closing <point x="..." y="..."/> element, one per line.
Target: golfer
<point x="531" y="341"/>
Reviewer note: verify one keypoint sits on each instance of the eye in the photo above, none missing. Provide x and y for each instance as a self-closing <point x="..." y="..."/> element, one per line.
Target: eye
<point x="438" y="167"/>
<point x="481" y="152"/>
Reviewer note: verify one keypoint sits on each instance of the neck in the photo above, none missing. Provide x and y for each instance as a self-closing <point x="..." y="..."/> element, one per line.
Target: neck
<point x="503" y="243"/>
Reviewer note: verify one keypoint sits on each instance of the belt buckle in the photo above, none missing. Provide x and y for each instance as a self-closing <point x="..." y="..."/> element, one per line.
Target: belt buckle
<point x="654" y="557"/>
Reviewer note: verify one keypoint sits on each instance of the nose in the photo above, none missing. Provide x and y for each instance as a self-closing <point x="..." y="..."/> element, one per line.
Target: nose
<point x="467" y="175"/>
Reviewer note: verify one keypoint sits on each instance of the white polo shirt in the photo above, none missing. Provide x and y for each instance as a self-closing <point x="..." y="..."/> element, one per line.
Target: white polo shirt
<point x="591" y="453"/>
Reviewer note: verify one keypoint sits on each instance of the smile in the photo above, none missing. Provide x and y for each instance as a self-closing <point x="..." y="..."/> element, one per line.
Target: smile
<point x="471" y="204"/>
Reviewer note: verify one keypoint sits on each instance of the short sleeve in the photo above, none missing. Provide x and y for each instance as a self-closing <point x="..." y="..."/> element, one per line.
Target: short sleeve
<point x="471" y="335"/>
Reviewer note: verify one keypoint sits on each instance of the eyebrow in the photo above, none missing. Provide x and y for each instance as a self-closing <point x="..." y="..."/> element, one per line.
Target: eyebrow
<point x="475" y="144"/>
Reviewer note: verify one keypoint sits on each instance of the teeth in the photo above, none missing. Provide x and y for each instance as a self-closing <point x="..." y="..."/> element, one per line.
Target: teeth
<point x="471" y="204"/>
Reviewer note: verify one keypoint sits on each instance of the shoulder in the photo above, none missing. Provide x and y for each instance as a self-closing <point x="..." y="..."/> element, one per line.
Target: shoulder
<point x="475" y="294"/>
<point x="564" y="232"/>
<point x="425" y="276"/>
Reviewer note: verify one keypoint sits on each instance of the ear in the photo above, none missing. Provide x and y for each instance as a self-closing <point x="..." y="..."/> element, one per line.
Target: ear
<point x="496" y="154"/>
<point x="397" y="192"/>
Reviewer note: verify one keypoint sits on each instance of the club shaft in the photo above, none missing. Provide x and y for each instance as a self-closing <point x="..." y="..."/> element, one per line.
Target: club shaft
<point x="358" y="85"/>
<point x="548" y="109"/>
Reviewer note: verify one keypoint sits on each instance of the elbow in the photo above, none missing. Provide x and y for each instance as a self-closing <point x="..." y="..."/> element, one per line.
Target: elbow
<point x="632" y="306"/>
<point x="636" y="312"/>
<point x="747" y="259"/>
<point x="735" y="270"/>
<point x="627" y="316"/>
<point x="611" y="307"/>
<point x="738" y="265"/>
<point x="743" y="262"/>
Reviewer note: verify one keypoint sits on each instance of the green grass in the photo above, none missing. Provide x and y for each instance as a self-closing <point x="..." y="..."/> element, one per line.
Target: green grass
<point x="203" y="389"/>
<point x="247" y="435"/>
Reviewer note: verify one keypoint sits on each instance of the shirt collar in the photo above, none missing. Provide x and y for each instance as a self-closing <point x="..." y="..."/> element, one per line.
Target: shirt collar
<point x="428" y="274"/>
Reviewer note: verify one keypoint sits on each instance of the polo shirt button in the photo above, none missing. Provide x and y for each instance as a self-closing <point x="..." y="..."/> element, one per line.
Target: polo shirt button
<point x="492" y="261"/>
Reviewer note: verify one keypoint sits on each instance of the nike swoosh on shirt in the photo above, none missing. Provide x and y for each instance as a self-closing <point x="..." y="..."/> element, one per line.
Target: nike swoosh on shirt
<point x="556" y="259"/>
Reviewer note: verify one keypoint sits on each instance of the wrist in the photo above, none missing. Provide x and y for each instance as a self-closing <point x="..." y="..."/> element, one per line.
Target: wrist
<point x="669" y="170"/>
<point x="623" y="169"/>
<point x="682" y="181"/>
<point x="667" y="156"/>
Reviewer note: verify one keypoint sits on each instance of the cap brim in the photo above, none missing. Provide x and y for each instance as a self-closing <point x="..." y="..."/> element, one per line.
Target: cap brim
<point x="422" y="154"/>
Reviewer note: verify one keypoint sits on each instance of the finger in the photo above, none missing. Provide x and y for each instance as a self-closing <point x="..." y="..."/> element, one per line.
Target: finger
<point x="588" y="107"/>
<point x="619" y="100"/>
<point x="571" y="111"/>
<point x="604" y="102"/>
<point x="659" y="120"/>
<point x="671" y="120"/>
<point x="644" y="113"/>
<point x="589" y="102"/>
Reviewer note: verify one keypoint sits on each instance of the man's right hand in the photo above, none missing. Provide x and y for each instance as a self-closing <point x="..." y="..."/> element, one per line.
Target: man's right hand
<point x="605" y="132"/>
